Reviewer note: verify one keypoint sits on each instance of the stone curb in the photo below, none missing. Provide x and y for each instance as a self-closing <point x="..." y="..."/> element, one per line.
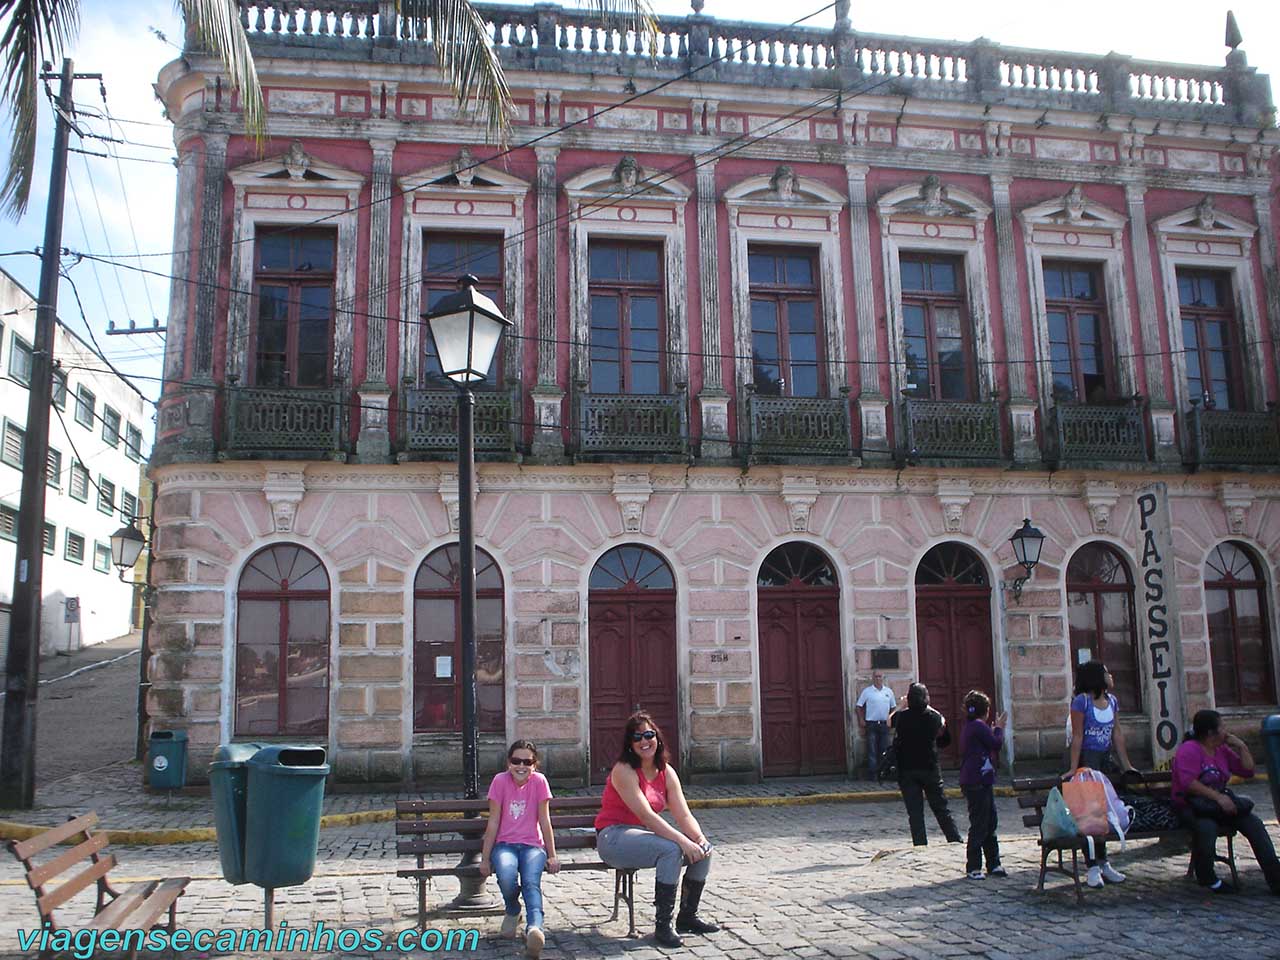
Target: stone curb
<point x="11" y="830"/>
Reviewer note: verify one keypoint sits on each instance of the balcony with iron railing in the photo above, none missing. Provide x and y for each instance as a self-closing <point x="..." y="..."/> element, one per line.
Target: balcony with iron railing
<point x="551" y="38"/>
<point x="631" y="427"/>
<point x="1227" y="439"/>
<point x="1084" y="434"/>
<point x="285" y="423"/>
<point x="429" y="424"/>
<point x="952" y="431"/>
<point x="798" y="429"/>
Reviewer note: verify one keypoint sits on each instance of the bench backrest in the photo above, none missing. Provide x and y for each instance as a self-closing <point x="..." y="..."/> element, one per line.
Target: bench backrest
<point x="88" y="850"/>
<point x="1033" y="792"/>
<point x="457" y="826"/>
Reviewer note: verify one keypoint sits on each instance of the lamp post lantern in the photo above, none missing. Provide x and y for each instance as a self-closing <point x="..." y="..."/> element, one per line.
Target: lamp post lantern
<point x="466" y="327"/>
<point x="1027" y="543"/>
<point x="126" y="544"/>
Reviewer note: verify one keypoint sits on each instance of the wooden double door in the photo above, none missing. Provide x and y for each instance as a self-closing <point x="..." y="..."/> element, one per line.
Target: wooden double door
<point x="953" y="627"/>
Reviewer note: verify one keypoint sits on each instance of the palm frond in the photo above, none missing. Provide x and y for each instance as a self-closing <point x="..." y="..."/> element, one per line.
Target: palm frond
<point x="464" y="53"/>
<point x="218" y="27"/>
<point x="37" y="31"/>
<point x="634" y="15"/>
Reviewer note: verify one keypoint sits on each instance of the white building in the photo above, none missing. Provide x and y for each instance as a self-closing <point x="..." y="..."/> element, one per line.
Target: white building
<point x="95" y="446"/>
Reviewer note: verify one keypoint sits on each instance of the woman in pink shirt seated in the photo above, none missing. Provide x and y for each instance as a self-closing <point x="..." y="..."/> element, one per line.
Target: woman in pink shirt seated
<point x="632" y="836"/>
<point x="518" y="842"/>
<point x="1202" y="768"/>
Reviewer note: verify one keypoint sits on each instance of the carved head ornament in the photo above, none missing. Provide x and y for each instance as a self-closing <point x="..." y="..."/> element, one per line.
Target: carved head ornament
<point x="1206" y="216"/>
<point x="784" y="183"/>
<point x="296" y="161"/>
<point x="627" y="172"/>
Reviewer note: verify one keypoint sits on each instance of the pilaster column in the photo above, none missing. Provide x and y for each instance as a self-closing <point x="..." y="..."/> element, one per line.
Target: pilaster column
<point x="1163" y="414"/>
<point x="1270" y="269"/>
<point x="713" y="401"/>
<point x="547" y="395"/>
<point x="1022" y="409"/>
<point x="374" y="442"/>
<point x="873" y="406"/>
<point x="215" y="172"/>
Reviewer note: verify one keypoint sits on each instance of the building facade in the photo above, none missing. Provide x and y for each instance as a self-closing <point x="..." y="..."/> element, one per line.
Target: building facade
<point x="799" y="341"/>
<point x="95" y="450"/>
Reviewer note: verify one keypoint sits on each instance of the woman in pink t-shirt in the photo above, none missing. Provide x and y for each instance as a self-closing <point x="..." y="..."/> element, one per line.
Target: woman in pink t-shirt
<point x="519" y="843"/>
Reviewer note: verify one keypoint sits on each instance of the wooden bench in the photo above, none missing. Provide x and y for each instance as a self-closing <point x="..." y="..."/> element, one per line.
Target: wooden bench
<point x="442" y="827"/>
<point x="137" y="907"/>
<point x="1033" y="794"/>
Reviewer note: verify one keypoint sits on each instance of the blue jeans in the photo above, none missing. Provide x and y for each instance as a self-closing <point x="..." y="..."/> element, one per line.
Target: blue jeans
<point x="878" y="739"/>
<point x="518" y="867"/>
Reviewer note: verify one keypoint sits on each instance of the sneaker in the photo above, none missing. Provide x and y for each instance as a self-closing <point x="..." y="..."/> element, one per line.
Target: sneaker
<point x="1095" y="877"/>
<point x="533" y="941"/>
<point x="1111" y="874"/>
<point x="997" y="871"/>
<point x="1221" y="886"/>
<point x="509" y="925"/>
<point x="975" y="874"/>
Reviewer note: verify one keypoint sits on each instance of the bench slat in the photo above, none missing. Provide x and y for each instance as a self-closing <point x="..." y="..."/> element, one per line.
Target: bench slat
<point x="66" y="891"/>
<point x="119" y="908"/>
<point x="42" y="874"/>
<point x="442" y="806"/>
<point x="43" y="841"/>
<point x="419" y="827"/>
<point x="428" y="847"/>
<point x="158" y="903"/>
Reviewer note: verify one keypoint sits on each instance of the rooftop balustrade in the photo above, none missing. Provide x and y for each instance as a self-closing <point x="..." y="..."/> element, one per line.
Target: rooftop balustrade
<point x="547" y="37"/>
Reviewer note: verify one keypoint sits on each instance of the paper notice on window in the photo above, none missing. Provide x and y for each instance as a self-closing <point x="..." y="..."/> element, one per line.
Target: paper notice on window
<point x="1084" y="655"/>
<point x="444" y="668"/>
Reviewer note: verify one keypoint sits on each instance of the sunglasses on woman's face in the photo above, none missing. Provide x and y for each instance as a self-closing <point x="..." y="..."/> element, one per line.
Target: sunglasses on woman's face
<point x="647" y="735"/>
<point x="522" y="761"/>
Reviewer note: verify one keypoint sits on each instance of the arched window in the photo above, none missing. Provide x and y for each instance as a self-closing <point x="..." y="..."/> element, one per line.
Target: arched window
<point x="437" y="643"/>
<point x="951" y="563"/>
<point x="631" y="567"/>
<point x="283" y="618"/>
<point x="1101" y="620"/>
<point x="1239" y="637"/>
<point x="796" y="565"/>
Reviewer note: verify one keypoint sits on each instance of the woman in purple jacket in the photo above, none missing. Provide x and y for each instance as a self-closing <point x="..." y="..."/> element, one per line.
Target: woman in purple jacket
<point x="979" y="746"/>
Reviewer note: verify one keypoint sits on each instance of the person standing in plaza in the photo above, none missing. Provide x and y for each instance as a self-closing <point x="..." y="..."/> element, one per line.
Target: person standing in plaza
<point x="920" y="731"/>
<point x="979" y="747"/>
<point x="519" y="843"/>
<point x="631" y="834"/>
<point x="875" y="705"/>
<point x="1095" y="736"/>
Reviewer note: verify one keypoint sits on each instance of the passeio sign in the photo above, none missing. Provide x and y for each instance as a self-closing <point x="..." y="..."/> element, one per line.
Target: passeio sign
<point x="1159" y="637"/>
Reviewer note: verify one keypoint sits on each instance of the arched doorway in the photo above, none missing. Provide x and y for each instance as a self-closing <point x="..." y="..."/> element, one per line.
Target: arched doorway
<point x="953" y="631"/>
<point x="631" y="622"/>
<point x="1235" y="599"/>
<point x="802" y="722"/>
<point x="1100" y="618"/>
<point x="282" y="644"/>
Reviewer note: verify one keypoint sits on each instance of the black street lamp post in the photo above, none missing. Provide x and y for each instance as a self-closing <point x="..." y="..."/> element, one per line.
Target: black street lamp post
<point x="466" y="327"/>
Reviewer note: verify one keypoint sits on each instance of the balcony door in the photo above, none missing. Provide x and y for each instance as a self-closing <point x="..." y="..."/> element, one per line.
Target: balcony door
<point x="631" y="626"/>
<point x="626" y="318"/>
<point x="293" y="284"/>
<point x="935" y="325"/>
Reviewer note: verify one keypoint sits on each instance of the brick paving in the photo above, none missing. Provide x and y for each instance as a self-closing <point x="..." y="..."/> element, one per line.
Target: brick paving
<point x="821" y="880"/>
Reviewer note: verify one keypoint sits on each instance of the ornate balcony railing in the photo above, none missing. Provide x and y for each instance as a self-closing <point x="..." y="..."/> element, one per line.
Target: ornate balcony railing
<point x="786" y="428"/>
<point x="1086" y="433"/>
<point x="952" y="430"/>
<point x="1234" y="438"/>
<point x="633" y="425"/>
<point x="285" y="422"/>
<point x="430" y="421"/>
<point x="555" y="38"/>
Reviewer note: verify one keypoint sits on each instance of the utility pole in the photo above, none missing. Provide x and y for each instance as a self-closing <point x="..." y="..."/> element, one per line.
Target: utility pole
<point x="22" y="667"/>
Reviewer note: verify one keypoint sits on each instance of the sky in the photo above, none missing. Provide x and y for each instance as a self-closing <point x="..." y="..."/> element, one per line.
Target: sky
<point x="117" y="207"/>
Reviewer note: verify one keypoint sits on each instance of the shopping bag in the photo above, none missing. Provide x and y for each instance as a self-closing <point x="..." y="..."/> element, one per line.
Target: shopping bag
<point x="1056" y="823"/>
<point x="1086" y="798"/>
<point x="1117" y="813"/>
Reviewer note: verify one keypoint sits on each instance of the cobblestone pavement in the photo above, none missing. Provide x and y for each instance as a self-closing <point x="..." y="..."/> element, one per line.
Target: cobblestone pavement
<point x="824" y="880"/>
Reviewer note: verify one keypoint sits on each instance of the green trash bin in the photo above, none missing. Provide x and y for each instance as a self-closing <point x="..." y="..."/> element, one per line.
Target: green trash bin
<point x="285" y="801"/>
<point x="1271" y="744"/>
<point x="167" y="760"/>
<point x="228" y="783"/>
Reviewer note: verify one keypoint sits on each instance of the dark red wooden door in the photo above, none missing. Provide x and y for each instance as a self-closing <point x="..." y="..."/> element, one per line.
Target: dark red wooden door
<point x="633" y="667"/>
<point x="953" y="624"/>
<point x="802" y="721"/>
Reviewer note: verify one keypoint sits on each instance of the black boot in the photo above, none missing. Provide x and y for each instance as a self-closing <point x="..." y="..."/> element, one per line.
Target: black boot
<point x="687" y="920"/>
<point x="664" y="902"/>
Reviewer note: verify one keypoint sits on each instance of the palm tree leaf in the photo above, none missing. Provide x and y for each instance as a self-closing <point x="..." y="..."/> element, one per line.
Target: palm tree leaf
<point x="36" y="31"/>
<point x="218" y="27"/>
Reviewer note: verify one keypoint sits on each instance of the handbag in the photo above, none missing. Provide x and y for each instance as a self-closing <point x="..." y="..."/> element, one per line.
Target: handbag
<point x="887" y="766"/>
<point x="1056" y="822"/>
<point x="1204" y="807"/>
<point x="1151" y="814"/>
<point x="1086" y="798"/>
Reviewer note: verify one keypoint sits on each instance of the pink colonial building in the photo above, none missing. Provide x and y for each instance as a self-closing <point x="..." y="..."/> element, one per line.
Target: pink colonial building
<point x="801" y="337"/>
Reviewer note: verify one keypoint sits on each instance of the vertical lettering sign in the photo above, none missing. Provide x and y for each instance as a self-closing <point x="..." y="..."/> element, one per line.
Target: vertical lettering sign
<point x="1159" y="636"/>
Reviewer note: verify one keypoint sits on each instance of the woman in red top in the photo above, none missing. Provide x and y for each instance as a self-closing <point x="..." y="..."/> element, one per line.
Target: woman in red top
<point x="632" y="835"/>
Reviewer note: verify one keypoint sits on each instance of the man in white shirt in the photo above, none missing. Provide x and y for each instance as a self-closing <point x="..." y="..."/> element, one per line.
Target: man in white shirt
<point x="875" y="704"/>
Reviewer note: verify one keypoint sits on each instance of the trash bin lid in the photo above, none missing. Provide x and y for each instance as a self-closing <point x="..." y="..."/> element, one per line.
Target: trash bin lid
<point x="235" y="754"/>
<point x="1271" y="724"/>
<point x="168" y="735"/>
<point x="287" y="759"/>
